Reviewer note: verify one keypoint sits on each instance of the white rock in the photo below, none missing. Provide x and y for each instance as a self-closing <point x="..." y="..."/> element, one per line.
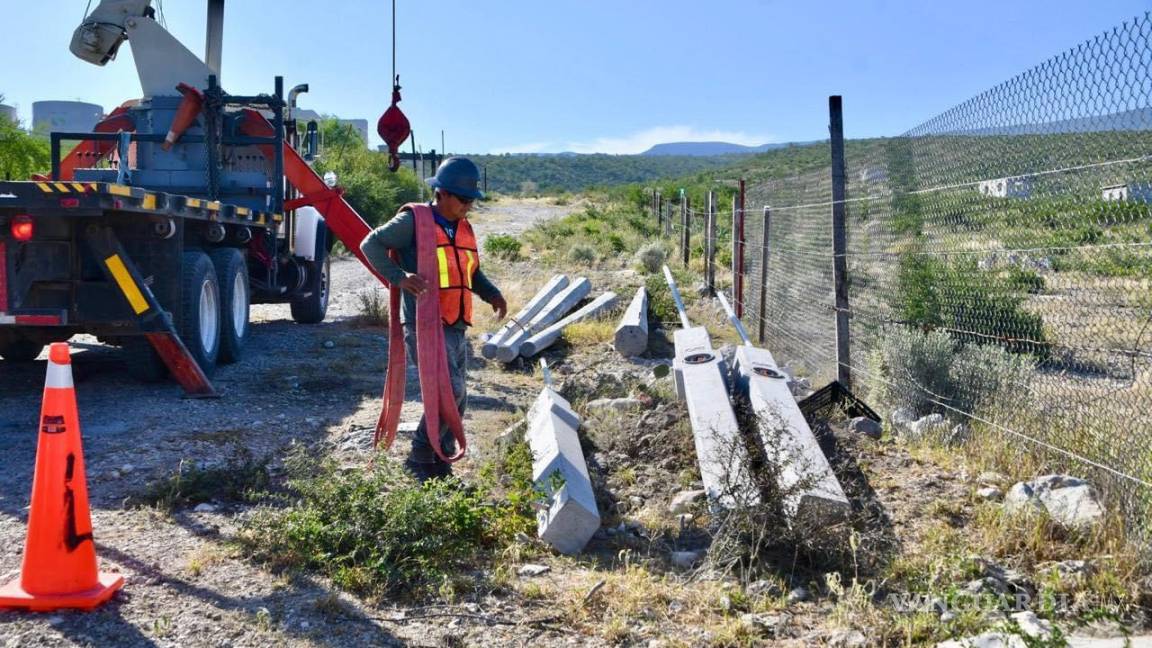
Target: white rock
<point x="928" y="426"/>
<point x="127" y="469"/>
<point x="204" y="507"/>
<point x="866" y="426"/>
<point x="1032" y="625"/>
<point x="986" y="640"/>
<point x="329" y="344"/>
<point x="990" y="493"/>
<point x="533" y="570"/>
<point x="798" y="594"/>
<point x="1020" y="498"/>
<point x="683" y="501"/>
<point x="848" y="639"/>
<point x="901" y="418"/>
<point x="618" y="404"/>
<point x="992" y="478"/>
<point x="685" y="559"/>
<point x="1073" y="507"/>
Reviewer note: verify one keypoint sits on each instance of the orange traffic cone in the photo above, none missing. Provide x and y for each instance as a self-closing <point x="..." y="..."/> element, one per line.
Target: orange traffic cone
<point x="189" y="109"/>
<point x="59" y="568"/>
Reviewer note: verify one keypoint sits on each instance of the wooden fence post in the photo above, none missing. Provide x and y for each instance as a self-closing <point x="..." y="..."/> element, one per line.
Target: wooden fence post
<point x="839" y="241"/>
<point x="763" y="305"/>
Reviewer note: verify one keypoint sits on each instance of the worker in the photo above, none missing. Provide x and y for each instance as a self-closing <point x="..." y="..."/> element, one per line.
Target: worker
<point x="455" y="185"/>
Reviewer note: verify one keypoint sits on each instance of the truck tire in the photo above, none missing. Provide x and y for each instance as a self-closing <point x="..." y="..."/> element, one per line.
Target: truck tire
<point x="17" y="348"/>
<point x="199" y="325"/>
<point x="235" y="300"/>
<point x="142" y="362"/>
<point x="313" y="308"/>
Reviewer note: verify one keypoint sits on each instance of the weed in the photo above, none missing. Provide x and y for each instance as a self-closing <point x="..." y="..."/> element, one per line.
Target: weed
<point x="503" y="246"/>
<point x="583" y="254"/>
<point x="376" y="532"/>
<point x="241" y="480"/>
<point x="652" y="257"/>
<point x="373" y="306"/>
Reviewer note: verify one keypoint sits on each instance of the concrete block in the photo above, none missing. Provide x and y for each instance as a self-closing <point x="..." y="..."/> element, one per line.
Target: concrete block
<point x="720" y="449"/>
<point x="535" y="305"/>
<point x="789" y="442"/>
<point x="509" y="348"/>
<point x="632" y="333"/>
<point x="544" y="339"/>
<point x="570" y="518"/>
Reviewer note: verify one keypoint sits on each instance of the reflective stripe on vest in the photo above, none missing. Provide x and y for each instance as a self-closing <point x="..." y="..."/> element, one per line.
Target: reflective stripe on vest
<point x="458" y="261"/>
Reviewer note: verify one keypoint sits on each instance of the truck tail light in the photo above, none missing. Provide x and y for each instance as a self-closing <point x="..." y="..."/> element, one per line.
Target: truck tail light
<point x="22" y="228"/>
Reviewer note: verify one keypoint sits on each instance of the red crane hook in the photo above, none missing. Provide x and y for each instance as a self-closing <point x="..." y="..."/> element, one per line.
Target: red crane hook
<point x="394" y="128"/>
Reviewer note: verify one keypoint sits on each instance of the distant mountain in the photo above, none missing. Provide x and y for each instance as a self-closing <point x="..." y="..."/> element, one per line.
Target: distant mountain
<point x="715" y="148"/>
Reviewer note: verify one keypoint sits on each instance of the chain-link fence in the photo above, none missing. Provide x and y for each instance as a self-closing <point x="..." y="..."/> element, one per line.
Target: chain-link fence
<point x="999" y="266"/>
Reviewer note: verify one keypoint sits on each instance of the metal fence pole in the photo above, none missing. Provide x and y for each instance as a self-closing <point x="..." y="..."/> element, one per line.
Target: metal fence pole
<point x="839" y="240"/>
<point x="686" y="233"/>
<point x="659" y="210"/>
<point x="710" y="245"/>
<point x="737" y="256"/>
<point x="740" y="267"/>
<point x="762" y="307"/>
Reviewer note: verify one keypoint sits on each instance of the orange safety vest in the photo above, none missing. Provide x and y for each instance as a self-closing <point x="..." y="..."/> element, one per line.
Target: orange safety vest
<point x="458" y="260"/>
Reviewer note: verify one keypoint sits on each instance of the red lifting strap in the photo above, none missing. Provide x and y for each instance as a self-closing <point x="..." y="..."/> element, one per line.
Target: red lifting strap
<point x="435" y="382"/>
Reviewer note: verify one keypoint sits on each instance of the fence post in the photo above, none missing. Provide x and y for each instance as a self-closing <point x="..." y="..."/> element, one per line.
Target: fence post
<point x="668" y="221"/>
<point x="686" y="233"/>
<point x="763" y="306"/>
<point x="739" y="279"/>
<point x="659" y="209"/>
<point x="710" y="245"/>
<point x="839" y="240"/>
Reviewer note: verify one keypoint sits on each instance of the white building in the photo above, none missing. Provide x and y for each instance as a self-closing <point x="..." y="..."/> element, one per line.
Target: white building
<point x="1006" y="188"/>
<point x="1132" y="191"/>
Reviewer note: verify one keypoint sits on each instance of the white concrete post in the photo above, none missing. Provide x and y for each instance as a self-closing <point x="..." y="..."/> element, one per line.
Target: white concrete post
<point x="545" y="338"/>
<point x="538" y="302"/>
<point x="632" y="334"/>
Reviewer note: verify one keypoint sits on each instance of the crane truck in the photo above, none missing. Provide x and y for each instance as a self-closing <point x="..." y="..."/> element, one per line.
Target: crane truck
<point x="156" y="231"/>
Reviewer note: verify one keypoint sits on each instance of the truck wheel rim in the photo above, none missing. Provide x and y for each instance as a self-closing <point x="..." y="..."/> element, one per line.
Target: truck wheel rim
<point x="209" y="315"/>
<point x="324" y="281"/>
<point x="239" y="304"/>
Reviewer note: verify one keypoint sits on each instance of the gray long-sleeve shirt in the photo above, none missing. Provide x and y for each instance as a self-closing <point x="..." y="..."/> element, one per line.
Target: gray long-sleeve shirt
<point x="399" y="234"/>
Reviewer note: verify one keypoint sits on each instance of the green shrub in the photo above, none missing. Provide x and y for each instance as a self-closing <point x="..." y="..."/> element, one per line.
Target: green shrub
<point x="973" y="306"/>
<point x="924" y="372"/>
<point x="374" y="531"/>
<point x="242" y="479"/>
<point x="502" y="246"/>
<point x="652" y="257"/>
<point x="581" y="253"/>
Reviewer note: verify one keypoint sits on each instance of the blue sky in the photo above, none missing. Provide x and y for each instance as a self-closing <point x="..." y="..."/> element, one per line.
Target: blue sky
<point x="591" y="75"/>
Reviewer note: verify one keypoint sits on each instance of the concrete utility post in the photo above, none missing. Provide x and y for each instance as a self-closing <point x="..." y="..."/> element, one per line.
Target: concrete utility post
<point x="214" y="38"/>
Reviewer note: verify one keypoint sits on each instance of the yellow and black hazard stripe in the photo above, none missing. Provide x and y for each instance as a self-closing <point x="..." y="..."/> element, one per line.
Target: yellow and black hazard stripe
<point x="66" y="187"/>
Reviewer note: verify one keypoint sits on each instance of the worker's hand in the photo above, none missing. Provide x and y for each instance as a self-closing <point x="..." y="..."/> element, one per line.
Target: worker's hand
<point x="499" y="306"/>
<point x="414" y="284"/>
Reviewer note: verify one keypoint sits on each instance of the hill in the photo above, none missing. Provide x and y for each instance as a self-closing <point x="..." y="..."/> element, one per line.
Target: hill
<point x="715" y="148"/>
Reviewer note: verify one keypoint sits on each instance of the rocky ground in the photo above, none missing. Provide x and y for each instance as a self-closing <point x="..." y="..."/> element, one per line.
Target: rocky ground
<point x="639" y="583"/>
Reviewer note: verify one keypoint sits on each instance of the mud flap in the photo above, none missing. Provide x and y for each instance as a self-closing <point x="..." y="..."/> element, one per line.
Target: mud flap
<point x="156" y="324"/>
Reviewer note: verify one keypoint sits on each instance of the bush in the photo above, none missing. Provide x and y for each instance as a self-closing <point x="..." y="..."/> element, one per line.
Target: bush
<point x="923" y="372"/>
<point x="973" y="306"/>
<point x="373" y="306"/>
<point x="502" y="246"/>
<point x="374" y="531"/>
<point x="652" y="257"/>
<point x="581" y="253"/>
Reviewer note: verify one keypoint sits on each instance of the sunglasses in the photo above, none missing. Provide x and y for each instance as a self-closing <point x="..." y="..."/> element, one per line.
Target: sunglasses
<point x="464" y="199"/>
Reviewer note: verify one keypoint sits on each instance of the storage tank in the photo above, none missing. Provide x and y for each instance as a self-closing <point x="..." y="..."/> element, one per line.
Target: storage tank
<point x="68" y="116"/>
<point x="8" y="112"/>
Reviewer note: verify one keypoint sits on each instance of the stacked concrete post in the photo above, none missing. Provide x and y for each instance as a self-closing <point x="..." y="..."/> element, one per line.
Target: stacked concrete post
<point x="570" y="517"/>
<point x="534" y="306"/>
<point x="814" y="498"/>
<point x="509" y="348"/>
<point x="632" y="333"/>
<point x="544" y="339"/>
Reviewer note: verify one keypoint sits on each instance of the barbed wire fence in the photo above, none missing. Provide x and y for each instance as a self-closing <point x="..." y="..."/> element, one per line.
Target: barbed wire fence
<point x="997" y="266"/>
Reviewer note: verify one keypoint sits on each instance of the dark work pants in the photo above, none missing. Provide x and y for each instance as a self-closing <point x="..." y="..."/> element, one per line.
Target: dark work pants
<point x="456" y="346"/>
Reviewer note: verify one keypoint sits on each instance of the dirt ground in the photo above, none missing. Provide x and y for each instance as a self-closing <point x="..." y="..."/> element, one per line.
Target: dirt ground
<point x="320" y="385"/>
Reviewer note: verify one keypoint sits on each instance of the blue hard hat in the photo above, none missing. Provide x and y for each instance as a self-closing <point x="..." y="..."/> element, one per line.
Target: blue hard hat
<point x="457" y="175"/>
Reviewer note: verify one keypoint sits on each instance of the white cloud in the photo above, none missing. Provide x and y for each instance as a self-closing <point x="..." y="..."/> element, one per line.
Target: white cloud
<point x="641" y="141"/>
